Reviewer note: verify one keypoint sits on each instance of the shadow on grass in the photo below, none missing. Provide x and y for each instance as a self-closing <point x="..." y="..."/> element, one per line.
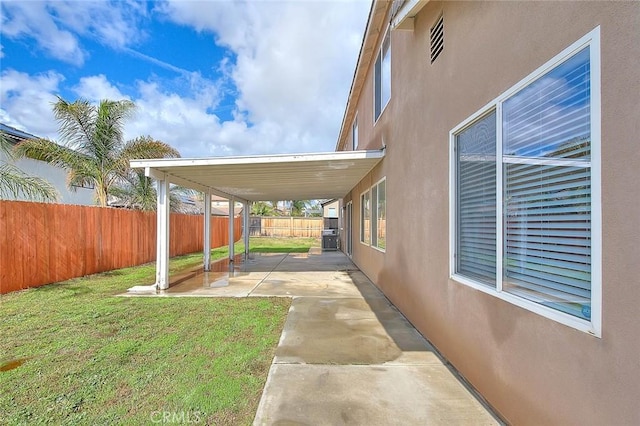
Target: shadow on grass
<point x="114" y="273"/>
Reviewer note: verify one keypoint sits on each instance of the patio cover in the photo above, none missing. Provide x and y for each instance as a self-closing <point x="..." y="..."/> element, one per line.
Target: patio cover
<point x="251" y="178"/>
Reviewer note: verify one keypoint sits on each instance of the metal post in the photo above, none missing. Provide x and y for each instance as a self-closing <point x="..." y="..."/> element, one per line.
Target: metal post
<point x="162" y="261"/>
<point x="231" y="230"/>
<point x="246" y="210"/>
<point x="207" y="231"/>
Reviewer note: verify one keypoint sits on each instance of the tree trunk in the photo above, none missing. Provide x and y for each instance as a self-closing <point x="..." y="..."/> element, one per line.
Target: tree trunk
<point x="102" y="196"/>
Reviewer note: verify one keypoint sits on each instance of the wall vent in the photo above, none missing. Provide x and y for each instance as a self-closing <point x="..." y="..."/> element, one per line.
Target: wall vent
<point x="437" y="38"/>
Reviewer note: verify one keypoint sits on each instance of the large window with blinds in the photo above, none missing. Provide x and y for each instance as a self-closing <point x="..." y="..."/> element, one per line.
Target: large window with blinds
<point x="526" y="191"/>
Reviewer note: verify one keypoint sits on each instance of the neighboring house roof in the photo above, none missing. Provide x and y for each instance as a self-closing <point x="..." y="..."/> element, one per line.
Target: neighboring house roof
<point x="222" y="211"/>
<point x="15" y="136"/>
<point x="219" y="206"/>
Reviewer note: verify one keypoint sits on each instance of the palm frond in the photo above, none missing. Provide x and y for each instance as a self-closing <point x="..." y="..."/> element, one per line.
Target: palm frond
<point x="176" y="195"/>
<point x="52" y="153"/>
<point x="76" y="123"/>
<point x="6" y="147"/>
<point x="110" y="119"/>
<point x="136" y="191"/>
<point x="147" y="147"/>
<point x="15" y="183"/>
<point x="144" y="147"/>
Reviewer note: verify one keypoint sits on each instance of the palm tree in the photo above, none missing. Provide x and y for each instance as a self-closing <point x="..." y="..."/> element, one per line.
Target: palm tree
<point x="136" y="191"/>
<point x="262" y="208"/>
<point x="93" y="152"/>
<point x="297" y="207"/>
<point x="314" y="207"/>
<point x="15" y="183"/>
<point x="133" y="187"/>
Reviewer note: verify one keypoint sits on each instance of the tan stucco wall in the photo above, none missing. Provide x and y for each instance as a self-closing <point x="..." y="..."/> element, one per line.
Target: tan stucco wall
<point x="533" y="370"/>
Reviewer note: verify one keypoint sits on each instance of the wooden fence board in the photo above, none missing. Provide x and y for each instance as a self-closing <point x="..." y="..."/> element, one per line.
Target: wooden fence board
<point x="279" y="226"/>
<point x="41" y="243"/>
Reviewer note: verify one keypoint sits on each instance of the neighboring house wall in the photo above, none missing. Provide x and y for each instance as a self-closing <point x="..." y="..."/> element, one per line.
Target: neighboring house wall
<point x="331" y="209"/>
<point x="54" y="175"/>
<point x="58" y="178"/>
<point x="531" y="369"/>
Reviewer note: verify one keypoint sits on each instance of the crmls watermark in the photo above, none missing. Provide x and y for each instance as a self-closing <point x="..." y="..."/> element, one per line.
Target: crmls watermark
<point x="177" y="417"/>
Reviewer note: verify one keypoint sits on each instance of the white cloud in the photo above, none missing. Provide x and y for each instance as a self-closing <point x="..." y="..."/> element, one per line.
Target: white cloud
<point x="180" y="121"/>
<point x="26" y="101"/>
<point x="32" y="19"/>
<point x="294" y="64"/>
<point x="291" y="70"/>
<point x="96" y="88"/>
<point x="56" y="25"/>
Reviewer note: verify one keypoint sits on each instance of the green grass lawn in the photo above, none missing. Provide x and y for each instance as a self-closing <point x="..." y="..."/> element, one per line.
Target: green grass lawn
<point x="257" y="245"/>
<point x="74" y="353"/>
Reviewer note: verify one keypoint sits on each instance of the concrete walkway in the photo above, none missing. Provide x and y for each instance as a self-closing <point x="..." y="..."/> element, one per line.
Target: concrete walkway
<point x="346" y="355"/>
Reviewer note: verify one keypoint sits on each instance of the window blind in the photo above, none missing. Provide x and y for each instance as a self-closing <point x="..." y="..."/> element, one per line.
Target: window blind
<point x="476" y="200"/>
<point x="547" y="189"/>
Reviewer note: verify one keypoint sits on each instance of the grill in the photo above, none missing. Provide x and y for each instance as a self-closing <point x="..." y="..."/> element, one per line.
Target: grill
<point x="329" y="239"/>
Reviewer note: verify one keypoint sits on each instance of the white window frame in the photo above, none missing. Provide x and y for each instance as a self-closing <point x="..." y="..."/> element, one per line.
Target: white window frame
<point x="594" y="326"/>
<point x="380" y="56"/>
<point x="374" y="223"/>
<point x="354" y="134"/>
<point x="362" y="225"/>
<point x="373" y="215"/>
<point x="349" y="228"/>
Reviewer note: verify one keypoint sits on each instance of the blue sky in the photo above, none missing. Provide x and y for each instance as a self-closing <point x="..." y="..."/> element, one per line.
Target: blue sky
<point x="212" y="78"/>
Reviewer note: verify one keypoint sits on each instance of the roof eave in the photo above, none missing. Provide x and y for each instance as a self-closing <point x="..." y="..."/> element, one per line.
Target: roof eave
<point x="377" y="15"/>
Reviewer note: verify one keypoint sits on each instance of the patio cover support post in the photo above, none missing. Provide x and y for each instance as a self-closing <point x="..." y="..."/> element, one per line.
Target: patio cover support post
<point x="207" y="231"/>
<point x="232" y="204"/>
<point x="246" y="227"/>
<point x="162" y="236"/>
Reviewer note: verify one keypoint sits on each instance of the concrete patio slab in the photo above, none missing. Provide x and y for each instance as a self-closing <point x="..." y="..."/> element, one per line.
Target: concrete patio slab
<point x="346" y="355"/>
<point x="325" y="261"/>
<point x="226" y="279"/>
<point x="367" y="395"/>
<point x="310" y="284"/>
<point x="350" y="331"/>
<point x="218" y="284"/>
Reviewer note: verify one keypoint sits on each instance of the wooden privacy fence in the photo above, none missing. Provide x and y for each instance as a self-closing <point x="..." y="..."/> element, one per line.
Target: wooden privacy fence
<point x="286" y="226"/>
<point x="42" y="243"/>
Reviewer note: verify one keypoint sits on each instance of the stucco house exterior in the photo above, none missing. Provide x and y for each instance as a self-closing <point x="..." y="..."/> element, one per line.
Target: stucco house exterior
<point x="504" y="218"/>
<point x="55" y="175"/>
